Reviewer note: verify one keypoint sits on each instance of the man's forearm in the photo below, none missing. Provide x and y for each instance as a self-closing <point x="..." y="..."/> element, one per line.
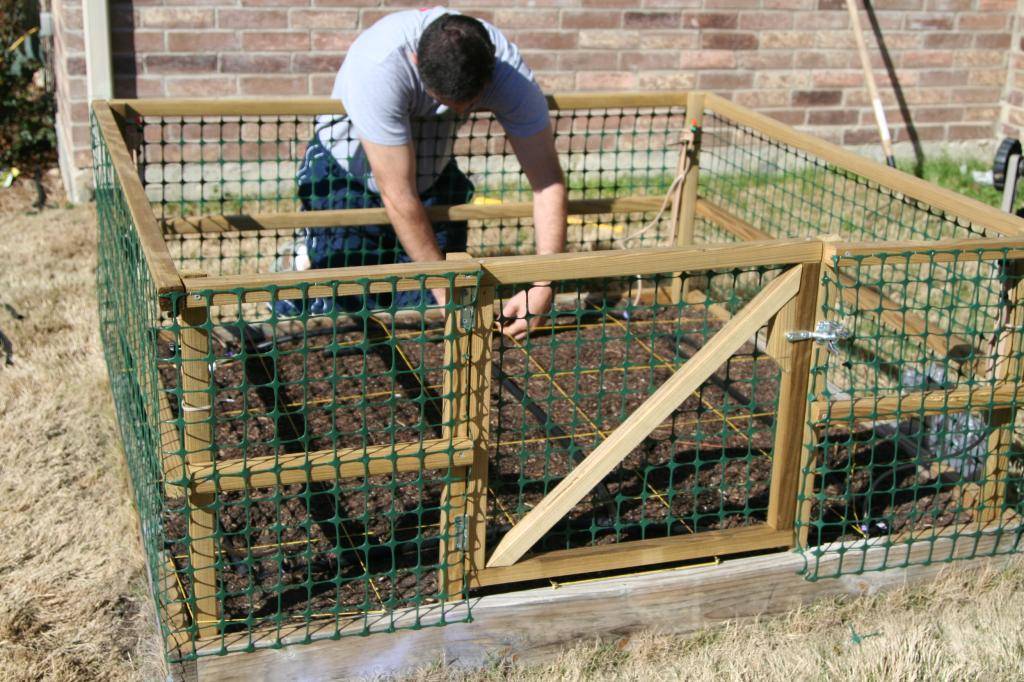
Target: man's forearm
<point x="549" y="209"/>
<point x="412" y="227"/>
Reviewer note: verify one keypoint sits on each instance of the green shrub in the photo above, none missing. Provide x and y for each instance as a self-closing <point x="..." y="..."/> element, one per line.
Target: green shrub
<point x="27" y="137"/>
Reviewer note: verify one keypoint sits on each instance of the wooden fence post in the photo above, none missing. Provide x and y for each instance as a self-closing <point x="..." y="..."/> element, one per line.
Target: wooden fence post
<point x="198" y="438"/>
<point x="1005" y="365"/>
<point x="468" y="383"/>
<point x="791" y="422"/>
<point x="684" y="207"/>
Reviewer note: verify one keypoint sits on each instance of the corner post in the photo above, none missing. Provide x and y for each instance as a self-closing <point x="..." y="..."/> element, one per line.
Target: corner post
<point x="684" y="207"/>
<point x="196" y="387"/>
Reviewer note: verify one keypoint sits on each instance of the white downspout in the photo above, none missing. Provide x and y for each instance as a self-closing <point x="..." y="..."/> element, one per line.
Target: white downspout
<point x="98" y="64"/>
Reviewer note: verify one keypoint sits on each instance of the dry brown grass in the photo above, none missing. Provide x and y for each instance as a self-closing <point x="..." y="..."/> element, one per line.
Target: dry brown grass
<point x="965" y="626"/>
<point x="72" y="588"/>
<point x="73" y="602"/>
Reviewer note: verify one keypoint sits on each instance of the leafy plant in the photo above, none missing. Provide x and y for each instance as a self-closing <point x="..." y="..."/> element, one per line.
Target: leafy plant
<point x="27" y="136"/>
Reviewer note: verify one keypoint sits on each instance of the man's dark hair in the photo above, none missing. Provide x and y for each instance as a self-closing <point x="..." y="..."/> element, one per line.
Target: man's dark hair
<point x="455" y="57"/>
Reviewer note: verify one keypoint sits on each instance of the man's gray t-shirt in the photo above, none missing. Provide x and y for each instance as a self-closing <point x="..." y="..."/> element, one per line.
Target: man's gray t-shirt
<point x="387" y="104"/>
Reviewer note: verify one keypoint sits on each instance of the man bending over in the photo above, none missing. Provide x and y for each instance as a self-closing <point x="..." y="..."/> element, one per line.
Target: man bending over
<point x="406" y="85"/>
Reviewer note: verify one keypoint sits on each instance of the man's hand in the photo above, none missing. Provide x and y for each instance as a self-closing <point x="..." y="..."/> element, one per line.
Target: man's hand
<point x="523" y="311"/>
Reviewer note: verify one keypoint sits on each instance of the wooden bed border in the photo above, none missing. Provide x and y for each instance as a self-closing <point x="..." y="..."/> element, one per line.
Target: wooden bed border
<point x="532" y="626"/>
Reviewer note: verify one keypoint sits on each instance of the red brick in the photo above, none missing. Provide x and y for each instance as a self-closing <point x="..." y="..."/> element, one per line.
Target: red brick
<point x="669" y="4"/>
<point x="755" y="21"/>
<point x="650" y="20"/>
<point x="577" y="60"/>
<point x="783" y="40"/>
<point x="207" y="86"/>
<point x="732" y="4"/>
<point x="919" y="58"/>
<point x="139" y="86"/>
<point x="540" y="60"/>
<point x="525" y="18"/>
<point x="252" y="18"/>
<point x="947" y="40"/>
<point x="825" y="60"/>
<point x="793" y="5"/>
<point x="669" y="40"/>
<point x="763" y="60"/>
<point x="672" y="80"/>
<point x="180" y="63"/>
<point x="545" y="40"/>
<point x="605" y="80"/>
<point x="280" y="3"/>
<point x="555" y="82"/>
<point x="333" y="41"/>
<point x="983" y="22"/>
<point x="267" y="41"/>
<point x="987" y="77"/>
<point x="929" y="22"/>
<point x="949" y="5"/>
<point x="725" y="80"/>
<point x="75" y="66"/>
<point x="202" y="41"/>
<point x="606" y="39"/>
<point x="321" y="85"/>
<point x="969" y="131"/>
<point x="708" y="59"/>
<point x="177" y="17"/>
<point x="714" y="40"/>
<point x="817" y="98"/>
<point x="814" y="21"/>
<point x="572" y="19"/>
<point x="995" y="41"/>
<point x="137" y="41"/>
<point x="650" y="60"/>
<point x="763" y="99"/>
<point x="838" y="79"/>
<point x="789" y="80"/>
<point x="711" y="19"/>
<point x="831" y="117"/>
<point x="793" y="117"/>
<point x="273" y="85"/>
<point x="323" y="18"/>
<point x="938" y="114"/>
<point x="255" y="63"/>
<point x="944" y="78"/>
<point x="997" y="5"/>
<point x="369" y="17"/>
<point x="315" y="63"/>
<point x="985" y="114"/>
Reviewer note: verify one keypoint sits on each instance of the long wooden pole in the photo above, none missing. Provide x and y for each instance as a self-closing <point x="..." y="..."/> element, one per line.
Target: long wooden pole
<point x="869" y="79"/>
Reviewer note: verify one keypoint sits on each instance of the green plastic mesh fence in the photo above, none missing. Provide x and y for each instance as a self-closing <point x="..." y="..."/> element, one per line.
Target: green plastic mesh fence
<point x="304" y="476"/>
<point x="211" y="166"/>
<point x="914" y="412"/>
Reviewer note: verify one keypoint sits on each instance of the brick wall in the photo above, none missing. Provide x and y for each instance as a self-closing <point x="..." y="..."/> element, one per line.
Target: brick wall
<point x="792" y="59"/>
<point x="1012" y="121"/>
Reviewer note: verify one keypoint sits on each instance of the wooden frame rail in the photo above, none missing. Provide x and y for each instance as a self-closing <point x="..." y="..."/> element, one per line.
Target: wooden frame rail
<point x="312" y="106"/>
<point x="378" y="216"/>
<point x="329" y="465"/>
<point x="914" y="404"/>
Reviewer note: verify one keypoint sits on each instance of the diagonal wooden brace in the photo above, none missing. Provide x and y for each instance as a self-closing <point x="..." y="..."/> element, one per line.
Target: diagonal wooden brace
<point x="646" y="418"/>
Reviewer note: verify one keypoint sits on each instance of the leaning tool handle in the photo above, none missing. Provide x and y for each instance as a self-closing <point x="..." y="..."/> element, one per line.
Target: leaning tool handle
<point x="876" y="102"/>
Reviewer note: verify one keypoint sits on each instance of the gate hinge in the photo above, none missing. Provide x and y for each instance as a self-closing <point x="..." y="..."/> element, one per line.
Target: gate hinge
<point x="826" y="332"/>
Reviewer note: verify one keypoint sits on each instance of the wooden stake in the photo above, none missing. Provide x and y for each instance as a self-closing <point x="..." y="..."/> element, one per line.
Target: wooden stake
<point x="197" y="416"/>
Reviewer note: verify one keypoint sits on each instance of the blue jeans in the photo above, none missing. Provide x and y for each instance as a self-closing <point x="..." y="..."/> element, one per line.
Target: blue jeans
<point x="323" y="185"/>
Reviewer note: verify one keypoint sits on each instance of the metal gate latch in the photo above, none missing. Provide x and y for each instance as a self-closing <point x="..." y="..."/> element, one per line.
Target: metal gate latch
<point x="826" y="332"/>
